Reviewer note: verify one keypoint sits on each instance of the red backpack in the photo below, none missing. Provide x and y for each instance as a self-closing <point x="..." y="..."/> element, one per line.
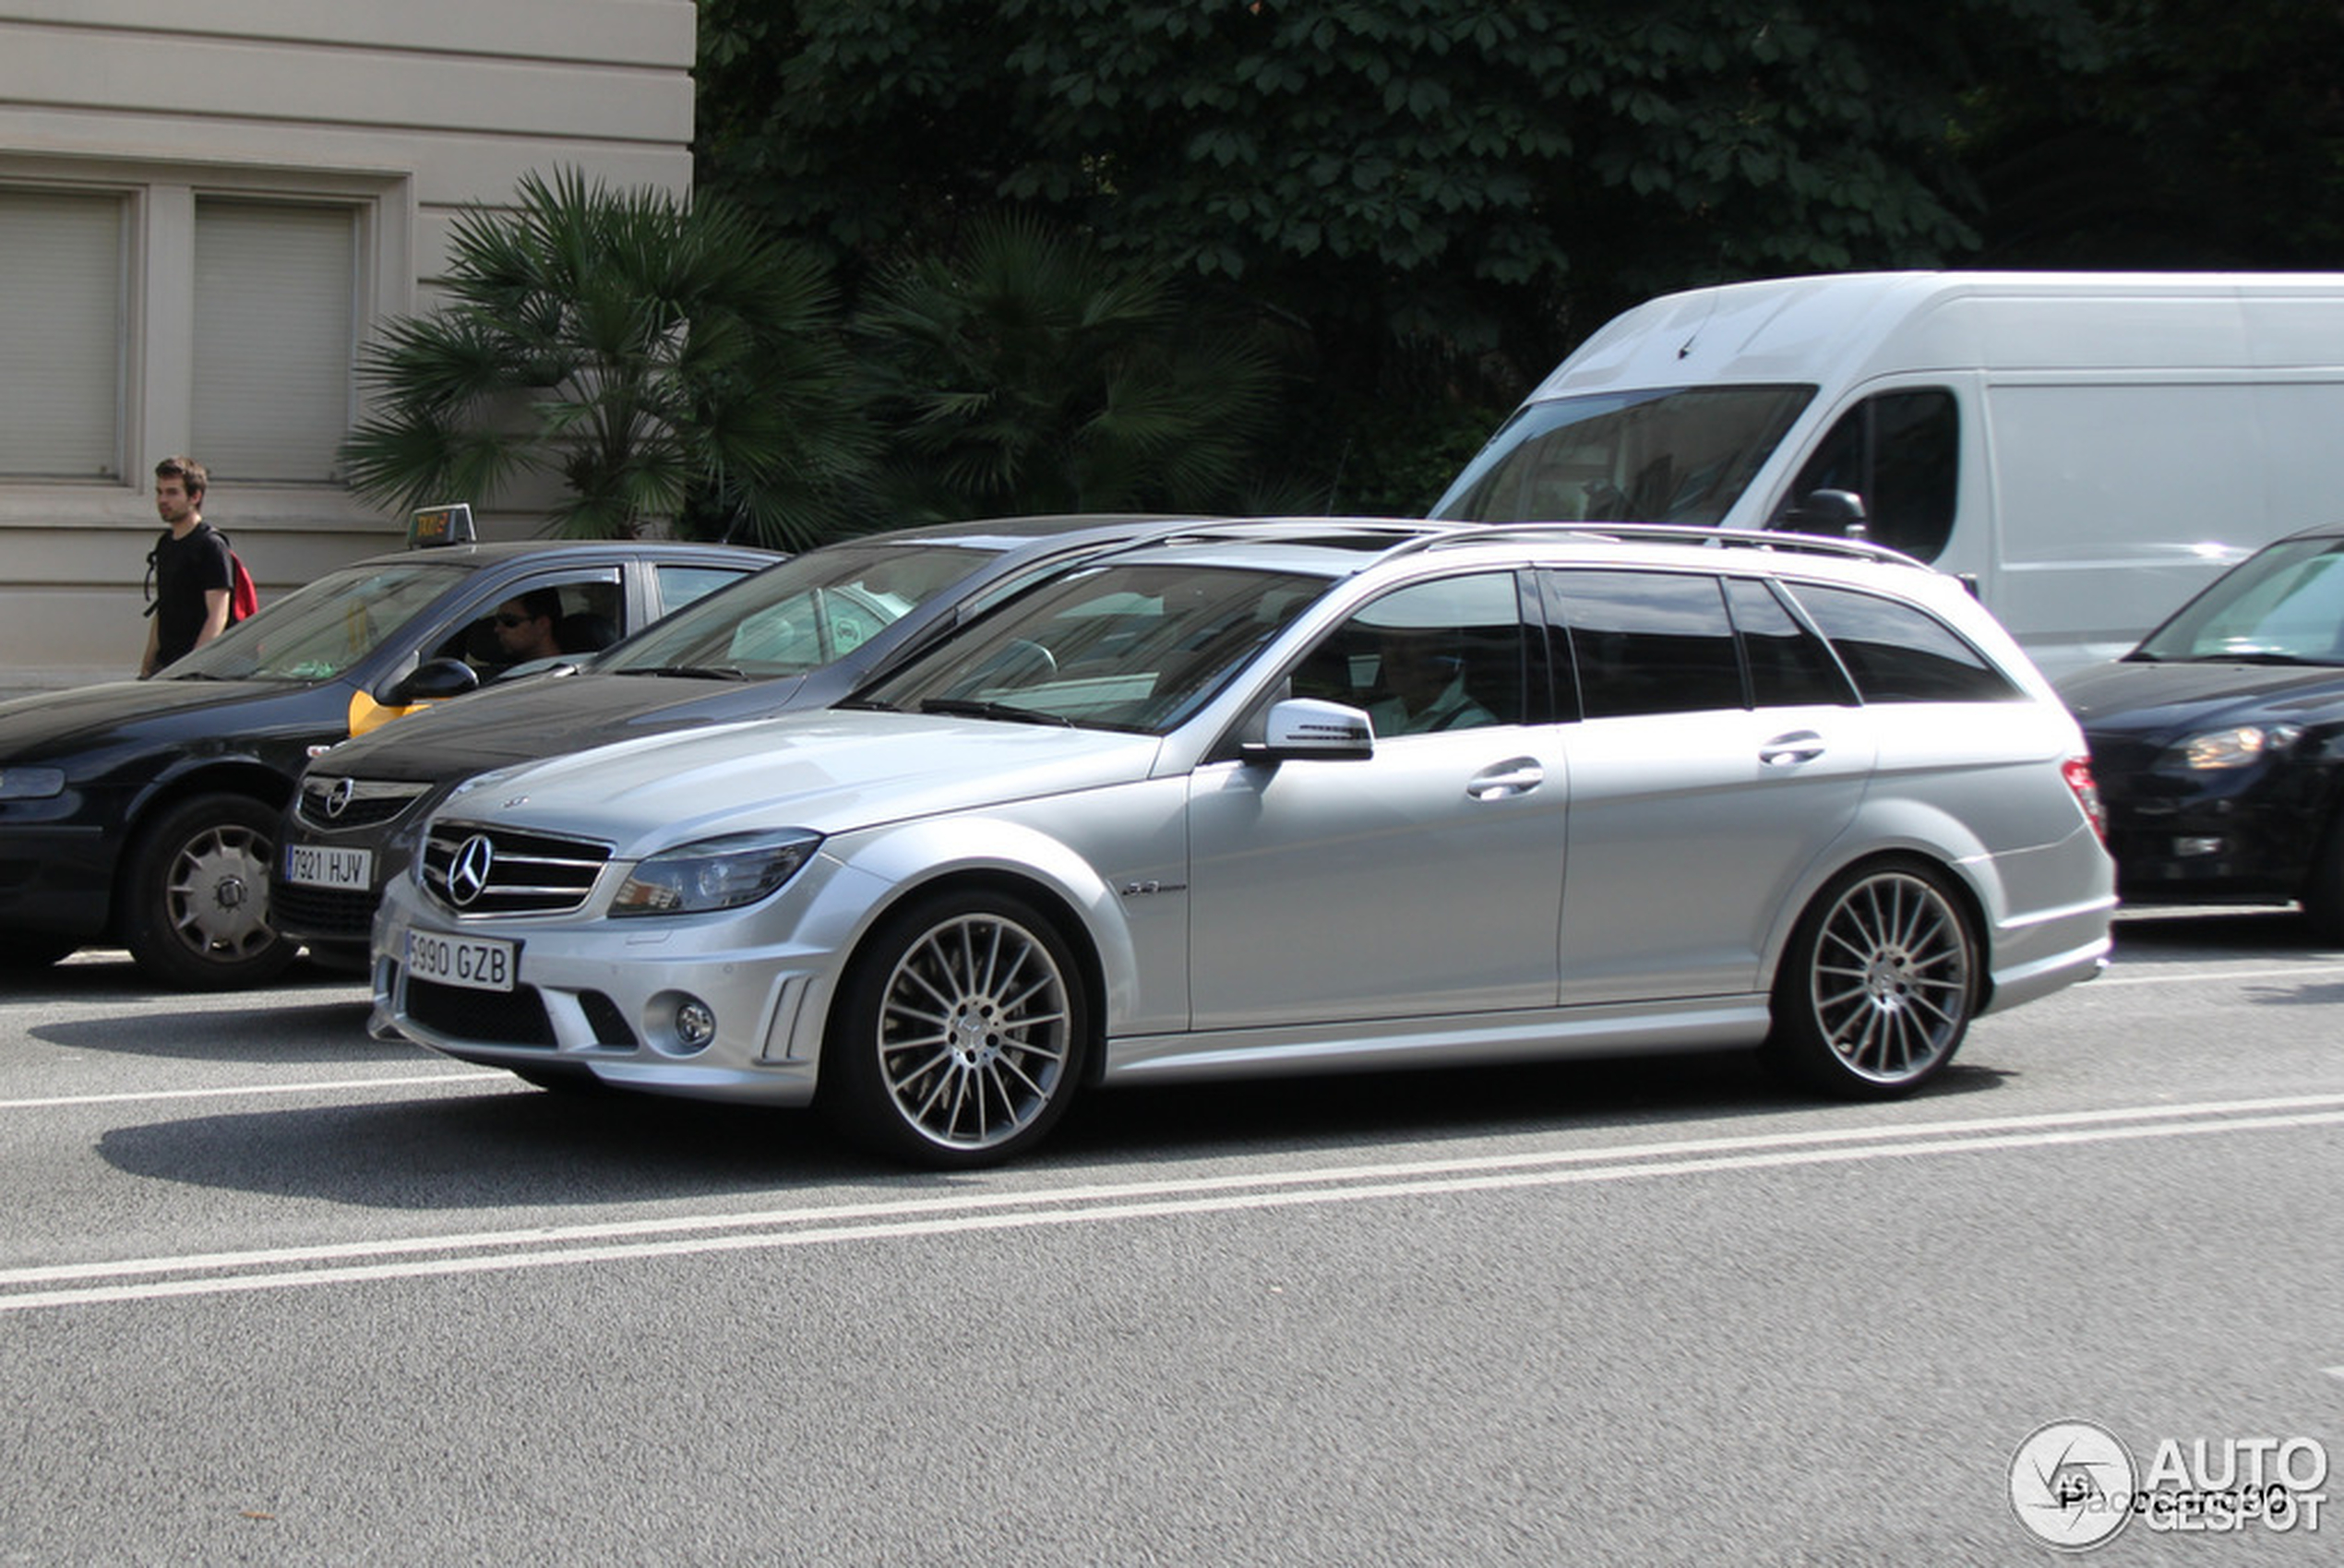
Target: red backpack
<point x="244" y="594"/>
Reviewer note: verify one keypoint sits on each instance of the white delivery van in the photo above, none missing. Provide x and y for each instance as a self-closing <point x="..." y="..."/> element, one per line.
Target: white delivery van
<point x="2088" y="447"/>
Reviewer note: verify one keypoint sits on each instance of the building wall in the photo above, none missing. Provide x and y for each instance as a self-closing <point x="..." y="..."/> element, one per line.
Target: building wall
<point x="247" y="188"/>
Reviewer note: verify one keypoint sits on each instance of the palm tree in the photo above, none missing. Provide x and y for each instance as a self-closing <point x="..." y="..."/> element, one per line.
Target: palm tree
<point x="658" y="357"/>
<point x="1030" y="373"/>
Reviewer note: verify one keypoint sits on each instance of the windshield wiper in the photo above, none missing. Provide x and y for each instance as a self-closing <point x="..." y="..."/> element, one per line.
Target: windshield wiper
<point x="976" y="709"/>
<point x="689" y="672"/>
<point x="2255" y="656"/>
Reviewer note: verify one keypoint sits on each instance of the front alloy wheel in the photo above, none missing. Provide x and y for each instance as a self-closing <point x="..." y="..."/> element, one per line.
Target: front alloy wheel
<point x="958" y="1033"/>
<point x="1879" y="985"/>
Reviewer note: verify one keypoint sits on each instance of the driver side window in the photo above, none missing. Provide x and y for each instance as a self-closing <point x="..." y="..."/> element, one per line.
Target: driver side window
<point x="1432" y="656"/>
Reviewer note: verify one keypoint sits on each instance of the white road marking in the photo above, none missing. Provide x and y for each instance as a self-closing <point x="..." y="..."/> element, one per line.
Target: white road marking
<point x="310" y="1086"/>
<point x="282" y="1268"/>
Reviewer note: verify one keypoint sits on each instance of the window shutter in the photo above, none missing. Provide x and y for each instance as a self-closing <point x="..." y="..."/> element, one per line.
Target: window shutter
<point x="61" y="309"/>
<point x="275" y="284"/>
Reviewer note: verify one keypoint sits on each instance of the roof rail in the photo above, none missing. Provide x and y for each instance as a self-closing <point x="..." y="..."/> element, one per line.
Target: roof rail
<point x="1671" y="533"/>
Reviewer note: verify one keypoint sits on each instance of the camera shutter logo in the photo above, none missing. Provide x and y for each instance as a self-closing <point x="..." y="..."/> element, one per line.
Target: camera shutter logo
<point x="468" y="873"/>
<point x="2071" y="1485"/>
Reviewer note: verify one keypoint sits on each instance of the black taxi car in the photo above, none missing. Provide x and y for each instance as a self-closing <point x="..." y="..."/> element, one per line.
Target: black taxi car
<point x="144" y="812"/>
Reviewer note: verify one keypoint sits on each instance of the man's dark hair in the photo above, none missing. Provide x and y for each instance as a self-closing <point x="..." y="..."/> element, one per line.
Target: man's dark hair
<point x="541" y="603"/>
<point x="190" y="473"/>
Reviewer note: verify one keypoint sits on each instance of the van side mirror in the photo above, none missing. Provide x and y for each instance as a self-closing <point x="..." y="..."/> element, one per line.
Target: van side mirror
<point x="1830" y="511"/>
<point x="1301" y="728"/>
<point x="434" y="680"/>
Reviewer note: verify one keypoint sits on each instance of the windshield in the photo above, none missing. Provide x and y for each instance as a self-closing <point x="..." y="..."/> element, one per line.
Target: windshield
<point x="805" y="613"/>
<point x="1672" y="454"/>
<point x="315" y="633"/>
<point x="1124" y="647"/>
<point x="2284" y="605"/>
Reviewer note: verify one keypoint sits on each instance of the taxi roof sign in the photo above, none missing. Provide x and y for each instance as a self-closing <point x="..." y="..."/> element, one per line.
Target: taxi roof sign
<point x="432" y="526"/>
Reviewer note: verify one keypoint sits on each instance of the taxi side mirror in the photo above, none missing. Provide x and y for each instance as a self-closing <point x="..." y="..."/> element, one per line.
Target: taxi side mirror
<point x="434" y="680"/>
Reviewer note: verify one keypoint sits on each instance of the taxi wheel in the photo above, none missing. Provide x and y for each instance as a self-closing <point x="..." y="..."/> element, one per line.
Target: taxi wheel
<point x="196" y="909"/>
<point x="958" y="1036"/>
<point x="1878" y="985"/>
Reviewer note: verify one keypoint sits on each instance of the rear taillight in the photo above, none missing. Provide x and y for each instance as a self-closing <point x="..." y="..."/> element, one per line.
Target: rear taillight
<point x="2077" y="772"/>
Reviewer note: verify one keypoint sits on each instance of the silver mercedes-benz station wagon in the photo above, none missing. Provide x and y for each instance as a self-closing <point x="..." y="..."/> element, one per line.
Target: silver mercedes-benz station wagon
<point x="1284" y="796"/>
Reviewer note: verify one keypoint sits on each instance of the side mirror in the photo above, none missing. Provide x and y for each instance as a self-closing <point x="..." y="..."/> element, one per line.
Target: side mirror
<point x="434" y="680"/>
<point x="1830" y="511"/>
<point x="1302" y="728"/>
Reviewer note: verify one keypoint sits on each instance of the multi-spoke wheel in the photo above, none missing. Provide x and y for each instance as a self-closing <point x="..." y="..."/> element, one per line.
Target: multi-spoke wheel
<point x="1879" y="983"/>
<point x="196" y="892"/>
<point x="958" y="1036"/>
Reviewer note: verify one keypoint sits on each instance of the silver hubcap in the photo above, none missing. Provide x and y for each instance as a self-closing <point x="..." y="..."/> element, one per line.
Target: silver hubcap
<point x="218" y="895"/>
<point x="973" y="1032"/>
<point x="1892" y="979"/>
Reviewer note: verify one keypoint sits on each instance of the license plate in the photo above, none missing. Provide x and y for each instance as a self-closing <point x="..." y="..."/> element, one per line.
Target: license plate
<point x="315" y="867"/>
<point x="475" y="964"/>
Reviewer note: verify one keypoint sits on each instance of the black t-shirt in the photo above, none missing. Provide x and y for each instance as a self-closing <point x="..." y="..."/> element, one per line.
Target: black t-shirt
<point x="184" y="569"/>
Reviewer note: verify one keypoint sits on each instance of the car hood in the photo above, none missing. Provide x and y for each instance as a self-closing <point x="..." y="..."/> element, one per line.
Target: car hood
<point x="549" y="715"/>
<point x="92" y="718"/>
<point x="2150" y="700"/>
<point x="826" y="769"/>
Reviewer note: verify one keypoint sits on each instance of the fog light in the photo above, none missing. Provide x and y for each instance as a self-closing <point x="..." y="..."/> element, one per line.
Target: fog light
<point x="2186" y="848"/>
<point x="695" y="1023"/>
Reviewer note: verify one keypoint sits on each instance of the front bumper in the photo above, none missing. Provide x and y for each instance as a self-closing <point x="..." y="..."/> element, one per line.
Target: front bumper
<point x="604" y="995"/>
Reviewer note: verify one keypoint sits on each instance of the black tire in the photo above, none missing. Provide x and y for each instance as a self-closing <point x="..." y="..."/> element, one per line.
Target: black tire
<point x="2323" y="898"/>
<point x="196" y="895"/>
<point x="958" y="1036"/>
<point x="29" y="952"/>
<point x="1879" y="983"/>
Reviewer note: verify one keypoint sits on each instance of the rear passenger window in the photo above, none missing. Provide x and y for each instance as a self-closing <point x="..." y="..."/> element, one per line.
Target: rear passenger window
<point x="1649" y="643"/>
<point x="1898" y="653"/>
<point x="1789" y="666"/>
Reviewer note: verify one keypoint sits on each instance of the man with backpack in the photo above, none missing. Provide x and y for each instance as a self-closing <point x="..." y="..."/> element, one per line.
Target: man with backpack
<point x="193" y="571"/>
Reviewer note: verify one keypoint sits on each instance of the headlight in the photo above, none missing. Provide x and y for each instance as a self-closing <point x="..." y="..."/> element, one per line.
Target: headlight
<point x="31" y="784"/>
<point x="2238" y="746"/>
<point x="714" y="873"/>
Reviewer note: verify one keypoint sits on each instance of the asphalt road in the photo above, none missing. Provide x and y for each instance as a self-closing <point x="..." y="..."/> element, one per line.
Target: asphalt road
<point x="271" y="1292"/>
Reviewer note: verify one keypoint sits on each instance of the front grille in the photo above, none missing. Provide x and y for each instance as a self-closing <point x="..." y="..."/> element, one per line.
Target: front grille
<point x="494" y="1018"/>
<point x="326" y="913"/>
<point x="339" y="805"/>
<point x="603" y="1016"/>
<point x="477" y="870"/>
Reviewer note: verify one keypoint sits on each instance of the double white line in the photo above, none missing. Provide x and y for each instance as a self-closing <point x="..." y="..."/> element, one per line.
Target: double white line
<point x="142" y="1279"/>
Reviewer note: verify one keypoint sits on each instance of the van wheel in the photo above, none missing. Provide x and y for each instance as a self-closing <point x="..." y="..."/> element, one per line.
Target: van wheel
<point x="195" y="912"/>
<point x="1878" y="985"/>
<point x="957" y="1038"/>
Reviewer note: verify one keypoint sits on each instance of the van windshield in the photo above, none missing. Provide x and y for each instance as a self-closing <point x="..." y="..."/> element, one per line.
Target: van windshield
<point x="1669" y="454"/>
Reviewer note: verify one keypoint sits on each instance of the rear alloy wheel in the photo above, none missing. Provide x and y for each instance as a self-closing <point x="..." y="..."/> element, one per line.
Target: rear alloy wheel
<point x="197" y="892"/>
<point x="1879" y="985"/>
<point x="959" y="1031"/>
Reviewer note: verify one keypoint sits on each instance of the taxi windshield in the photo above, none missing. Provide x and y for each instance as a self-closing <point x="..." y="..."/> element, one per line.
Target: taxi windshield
<point x="316" y="632"/>
<point x="807" y="611"/>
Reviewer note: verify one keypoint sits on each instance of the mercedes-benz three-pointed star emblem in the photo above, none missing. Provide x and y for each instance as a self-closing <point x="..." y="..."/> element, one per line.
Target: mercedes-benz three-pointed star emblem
<point x="468" y="873"/>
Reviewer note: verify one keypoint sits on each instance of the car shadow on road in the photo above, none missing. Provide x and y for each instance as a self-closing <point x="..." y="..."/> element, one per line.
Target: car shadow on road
<point x="525" y="1148"/>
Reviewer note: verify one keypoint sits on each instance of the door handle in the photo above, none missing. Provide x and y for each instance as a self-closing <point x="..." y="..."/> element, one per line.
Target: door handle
<point x="1790" y="750"/>
<point x="1516" y="775"/>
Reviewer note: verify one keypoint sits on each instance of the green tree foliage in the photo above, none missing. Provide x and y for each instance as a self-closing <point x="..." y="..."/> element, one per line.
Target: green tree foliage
<point x="661" y="360"/>
<point x="2188" y="133"/>
<point x="1022" y="371"/>
<point x="1445" y="196"/>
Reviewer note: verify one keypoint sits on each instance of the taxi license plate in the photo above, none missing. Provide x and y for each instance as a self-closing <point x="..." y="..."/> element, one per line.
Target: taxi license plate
<point x="475" y="964"/>
<point x="314" y="865"/>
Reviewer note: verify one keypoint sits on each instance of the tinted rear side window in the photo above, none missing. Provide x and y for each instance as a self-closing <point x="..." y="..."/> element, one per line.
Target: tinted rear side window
<point x="1899" y="654"/>
<point x="1649" y="643"/>
<point x="1789" y="666"/>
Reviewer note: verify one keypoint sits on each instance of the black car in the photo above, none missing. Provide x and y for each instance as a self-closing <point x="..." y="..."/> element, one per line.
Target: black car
<point x="2218" y="742"/>
<point x="144" y="812"/>
<point x="802" y="635"/>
